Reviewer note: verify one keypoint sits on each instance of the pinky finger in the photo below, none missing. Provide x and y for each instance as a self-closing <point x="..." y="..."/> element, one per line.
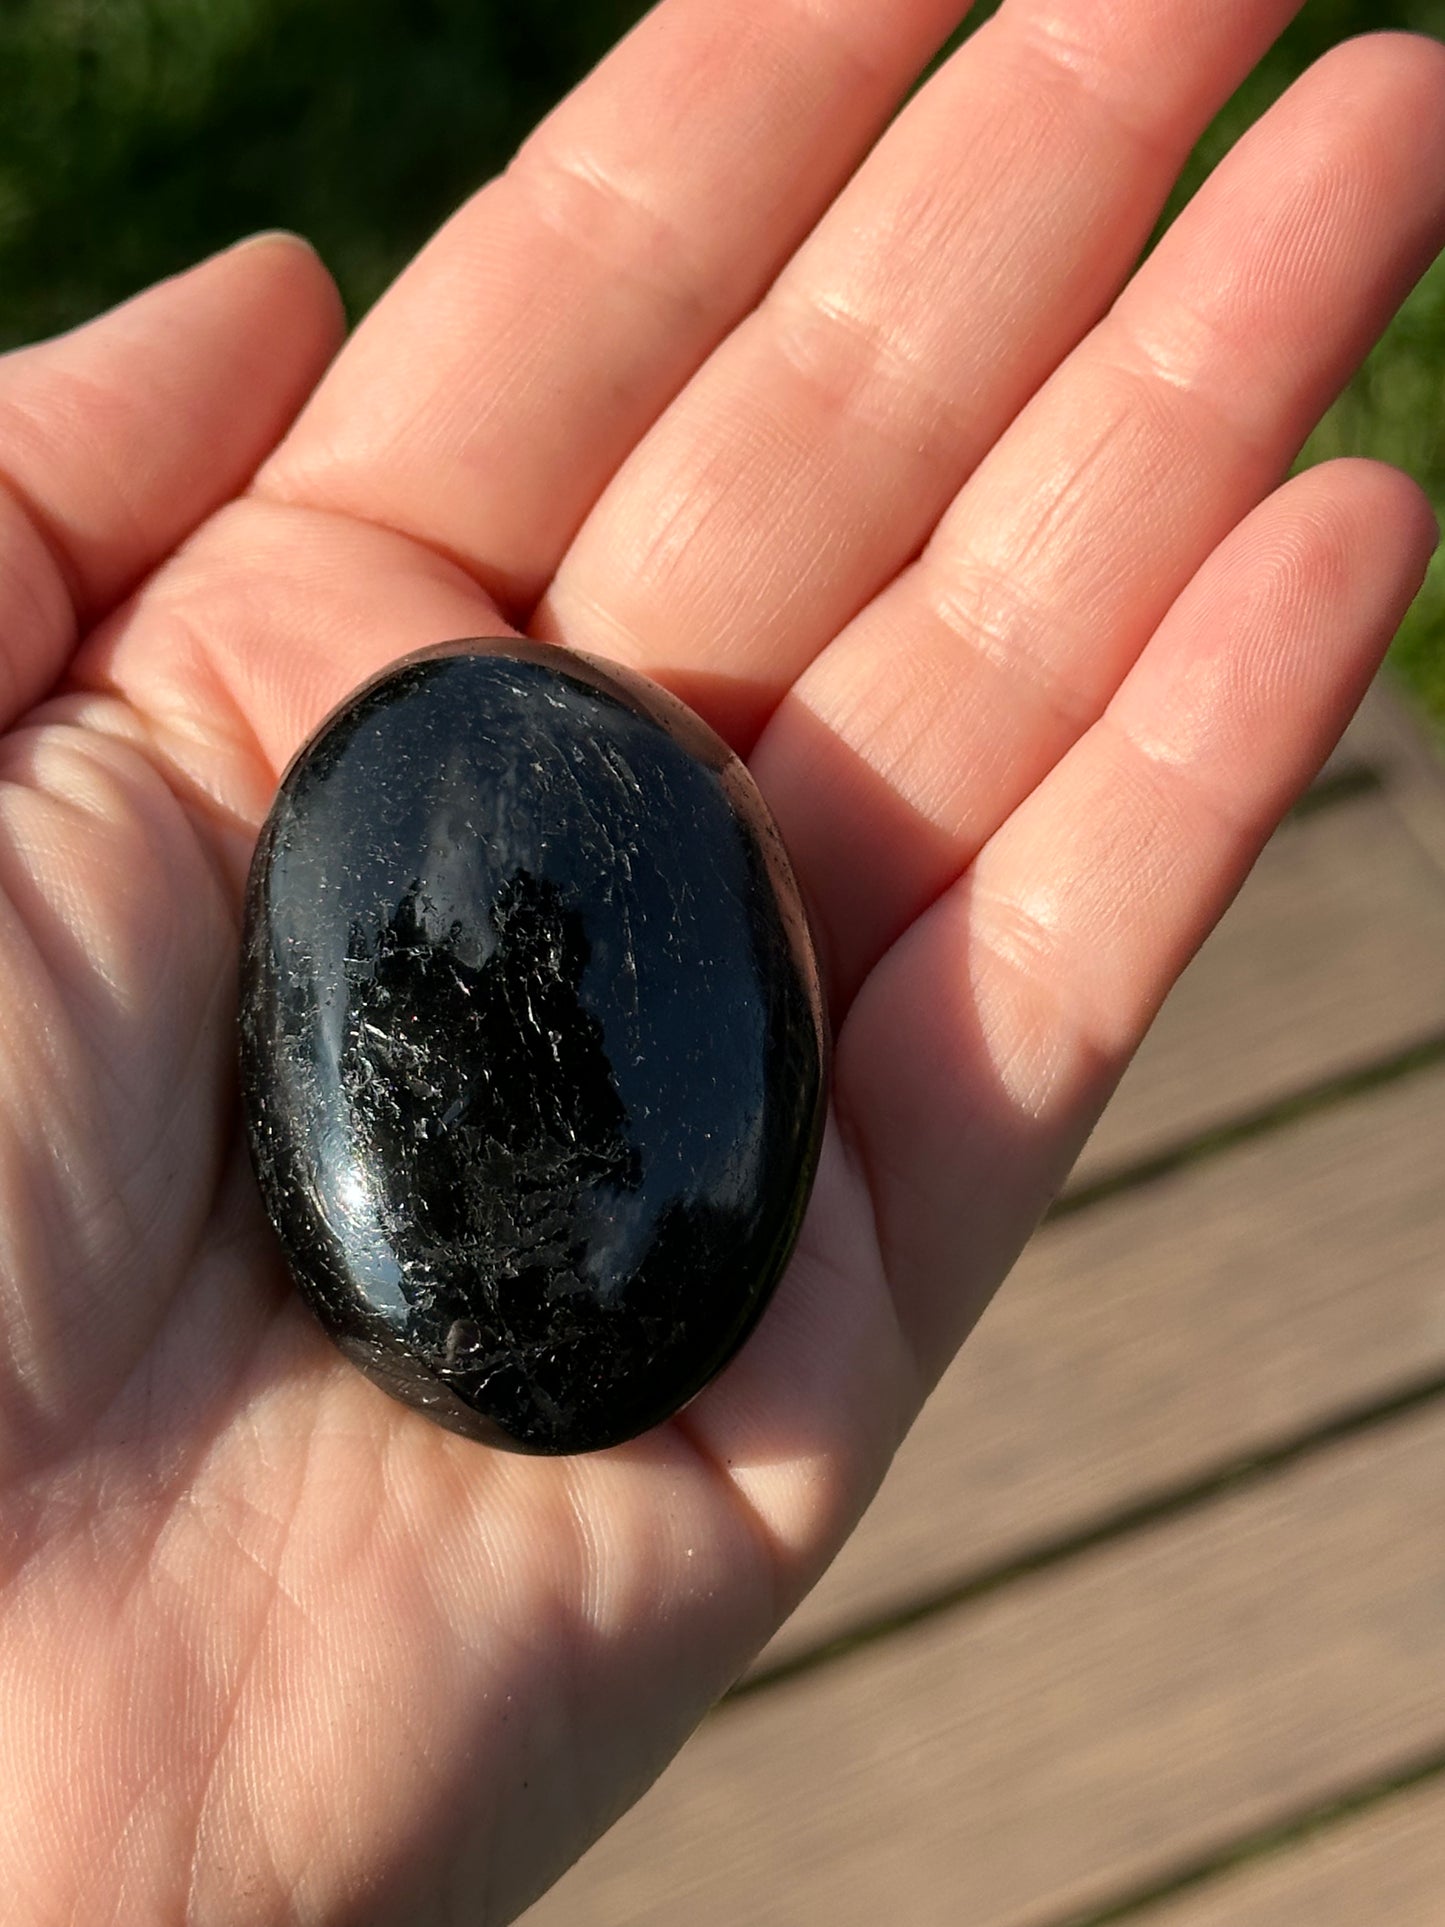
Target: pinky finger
<point x="985" y="1043"/>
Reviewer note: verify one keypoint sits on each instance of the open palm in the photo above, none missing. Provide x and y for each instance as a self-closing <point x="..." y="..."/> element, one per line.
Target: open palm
<point x="986" y="568"/>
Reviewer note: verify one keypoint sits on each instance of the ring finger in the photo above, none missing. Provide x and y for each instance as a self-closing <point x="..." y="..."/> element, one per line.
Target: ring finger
<point x="915" y="734"/>
<point x="811" y="456"/>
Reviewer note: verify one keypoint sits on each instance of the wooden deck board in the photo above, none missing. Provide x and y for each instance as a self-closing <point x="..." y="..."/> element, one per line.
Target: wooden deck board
<point x="1386" y="738"/>
<point x="1383" y="1868"/>
<point x="1333" y="956"/>
<point x="1072" y="1738"/>
<point x="1183" y="1327"/>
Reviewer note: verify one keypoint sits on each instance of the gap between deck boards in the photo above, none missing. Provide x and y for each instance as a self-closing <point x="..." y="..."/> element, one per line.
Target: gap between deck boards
<point x="1427" y="1770"/>
<point x="1228" y="1480"/>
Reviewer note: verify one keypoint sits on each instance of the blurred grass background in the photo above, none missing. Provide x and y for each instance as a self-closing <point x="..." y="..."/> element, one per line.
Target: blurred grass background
<point x="137" y="135"/>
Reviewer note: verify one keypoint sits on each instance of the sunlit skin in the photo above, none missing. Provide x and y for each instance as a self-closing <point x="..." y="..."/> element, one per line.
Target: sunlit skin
<point x="976" y="547"/>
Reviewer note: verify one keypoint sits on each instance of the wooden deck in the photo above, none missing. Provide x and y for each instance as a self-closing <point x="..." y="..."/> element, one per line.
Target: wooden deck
<point x="1148" y="1622"/>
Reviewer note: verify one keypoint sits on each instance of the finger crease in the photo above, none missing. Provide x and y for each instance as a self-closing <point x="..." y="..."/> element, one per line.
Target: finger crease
<point x="1151" y="368"/>
<point x="596" y="214"/>
<point x="861" y="369"/>
<point x="1174" y="780"/>
<point x="986" y="612"/>
<point x="1089" y="75"/>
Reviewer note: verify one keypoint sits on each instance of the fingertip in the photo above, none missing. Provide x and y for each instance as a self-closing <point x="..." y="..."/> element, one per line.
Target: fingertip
<point x="1421" y="53"/>
<point x="277" y="269"/>
<point x="293" y="259"/>
<point x="1389" y="56"/>
<point x="270" y="237"/>
<point x="222" y="289"/>
<point x="1407" y="500"/>
<point x="1381" y="504"/>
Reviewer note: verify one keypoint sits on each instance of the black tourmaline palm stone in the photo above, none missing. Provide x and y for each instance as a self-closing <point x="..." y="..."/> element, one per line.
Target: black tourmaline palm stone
<point x="533" y="1054"/>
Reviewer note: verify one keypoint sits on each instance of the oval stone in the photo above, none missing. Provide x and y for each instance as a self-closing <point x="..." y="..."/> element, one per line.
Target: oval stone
<point x="533" y="1049"/>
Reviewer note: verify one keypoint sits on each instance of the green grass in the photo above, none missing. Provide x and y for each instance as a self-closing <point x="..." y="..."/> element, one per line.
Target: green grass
<point x="140" y="134"/>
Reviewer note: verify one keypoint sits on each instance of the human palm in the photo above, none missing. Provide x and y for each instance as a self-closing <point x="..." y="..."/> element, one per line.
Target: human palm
<point x="983" y="571"/>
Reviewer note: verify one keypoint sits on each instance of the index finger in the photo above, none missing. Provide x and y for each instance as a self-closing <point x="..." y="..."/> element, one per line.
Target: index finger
<point x="487" y="399"/>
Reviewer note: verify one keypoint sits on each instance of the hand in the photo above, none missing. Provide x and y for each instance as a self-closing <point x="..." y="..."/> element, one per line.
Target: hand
<point x="989" y="574"/>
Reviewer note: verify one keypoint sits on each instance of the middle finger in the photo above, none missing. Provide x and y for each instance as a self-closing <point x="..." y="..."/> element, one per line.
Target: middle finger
<point x="809" y="459"/>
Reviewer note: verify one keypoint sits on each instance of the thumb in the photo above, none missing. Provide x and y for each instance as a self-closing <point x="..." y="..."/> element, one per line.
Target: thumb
<point x="118" y="438"/>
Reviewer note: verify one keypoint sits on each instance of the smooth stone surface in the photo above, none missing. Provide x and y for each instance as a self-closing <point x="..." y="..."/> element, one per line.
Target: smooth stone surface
<point x="533" y="1053"/>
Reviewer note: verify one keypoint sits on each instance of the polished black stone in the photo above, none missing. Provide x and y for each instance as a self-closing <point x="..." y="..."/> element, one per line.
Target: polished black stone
<point x="533" y="1054"/>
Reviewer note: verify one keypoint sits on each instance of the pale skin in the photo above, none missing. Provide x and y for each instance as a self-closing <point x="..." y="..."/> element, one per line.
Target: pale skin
<point x="973" y="544"/>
